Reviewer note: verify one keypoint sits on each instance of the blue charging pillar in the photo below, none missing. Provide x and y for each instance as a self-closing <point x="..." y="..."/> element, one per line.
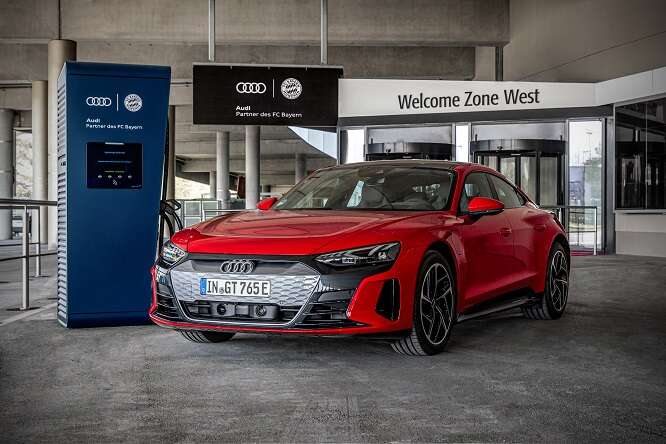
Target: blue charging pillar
<point x="111" y="136"/>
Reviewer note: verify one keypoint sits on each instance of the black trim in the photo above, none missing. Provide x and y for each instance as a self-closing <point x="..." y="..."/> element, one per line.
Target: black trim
<point x="504" y="302"/>
<point x="478" y="116"/>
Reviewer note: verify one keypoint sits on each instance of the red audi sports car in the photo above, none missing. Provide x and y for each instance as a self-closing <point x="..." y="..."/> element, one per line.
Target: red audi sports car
<point x="400" y="250"/>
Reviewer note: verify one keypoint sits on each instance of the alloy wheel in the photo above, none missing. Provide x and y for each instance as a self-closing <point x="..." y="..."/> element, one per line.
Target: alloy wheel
<point x="559" y="281"/>
<point x="436" y="303"/>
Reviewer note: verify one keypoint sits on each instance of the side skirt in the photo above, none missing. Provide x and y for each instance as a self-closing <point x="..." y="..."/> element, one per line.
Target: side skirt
<point x="503" y="303"/>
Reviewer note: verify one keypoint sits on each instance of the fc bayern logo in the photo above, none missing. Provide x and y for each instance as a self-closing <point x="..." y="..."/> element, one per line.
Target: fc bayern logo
<point x="133" y="102"/>
<point x="291" y="88"/>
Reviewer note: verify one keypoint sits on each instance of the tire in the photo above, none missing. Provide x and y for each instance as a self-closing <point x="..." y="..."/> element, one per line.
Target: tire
<point x="204" y="337"/>
<point x="429" y="338"/>
<point x="556" y="293"/>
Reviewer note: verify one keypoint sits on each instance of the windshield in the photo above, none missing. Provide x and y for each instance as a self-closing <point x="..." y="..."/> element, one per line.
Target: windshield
<point x="372" y="187"/>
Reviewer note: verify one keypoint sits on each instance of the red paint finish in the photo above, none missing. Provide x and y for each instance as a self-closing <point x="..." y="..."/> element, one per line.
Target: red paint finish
<point x="491" y="253"/>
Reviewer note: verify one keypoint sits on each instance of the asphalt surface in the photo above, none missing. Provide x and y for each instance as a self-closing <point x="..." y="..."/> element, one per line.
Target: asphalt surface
<point x="596" y="375"/>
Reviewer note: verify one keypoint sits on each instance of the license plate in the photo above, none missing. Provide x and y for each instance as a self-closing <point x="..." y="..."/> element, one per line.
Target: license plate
<point x="234" y="287"/>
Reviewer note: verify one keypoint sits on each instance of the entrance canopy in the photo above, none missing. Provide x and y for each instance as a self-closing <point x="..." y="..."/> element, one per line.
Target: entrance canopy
<point x="393" y="101"/>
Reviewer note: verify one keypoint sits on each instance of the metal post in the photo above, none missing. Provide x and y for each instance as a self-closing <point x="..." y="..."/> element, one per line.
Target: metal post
<point x="594" y="252"/>
<point x="211" y="30"/>
<point x="38" y="252"/>
<point x="25" y="301"/>
<point x="324" y="32"/>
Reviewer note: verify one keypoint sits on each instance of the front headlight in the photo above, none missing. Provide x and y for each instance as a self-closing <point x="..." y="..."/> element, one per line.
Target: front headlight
<point x="171" y="253"/>
<point x="372" y="255"/>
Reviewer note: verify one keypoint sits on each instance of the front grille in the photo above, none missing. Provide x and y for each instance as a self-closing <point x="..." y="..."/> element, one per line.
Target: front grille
<point x="292" y="283"/>
<point x="298" y="299"/>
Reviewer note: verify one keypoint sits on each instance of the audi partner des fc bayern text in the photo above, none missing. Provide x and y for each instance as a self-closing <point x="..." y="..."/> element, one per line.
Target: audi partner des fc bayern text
<point x="400" y="250"/>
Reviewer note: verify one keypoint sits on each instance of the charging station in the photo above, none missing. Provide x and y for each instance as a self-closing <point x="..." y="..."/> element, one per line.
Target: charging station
<point x="111" y="152"/>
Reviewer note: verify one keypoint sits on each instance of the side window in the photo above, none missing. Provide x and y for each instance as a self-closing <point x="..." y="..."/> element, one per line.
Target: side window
<point x="506" y="193"/>
<point x="476" y="184"/>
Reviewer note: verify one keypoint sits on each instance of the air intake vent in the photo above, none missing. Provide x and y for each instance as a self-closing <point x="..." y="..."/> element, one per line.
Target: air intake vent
<point x="388" y="304"/>
<point x="62" y="203"/>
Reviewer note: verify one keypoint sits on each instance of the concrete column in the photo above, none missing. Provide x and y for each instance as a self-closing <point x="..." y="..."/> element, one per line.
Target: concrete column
<point x="252" y="158"/>
<point x="300" y="167"/>
<point x="222" y="165"/>
<point x="6" y="169"/>
<point x="212" y="175"/>
<point x="59" y="51"/>
<point x="323" y="41"/>
<point x="40" y="155"/>
<point x="171" y="169"/>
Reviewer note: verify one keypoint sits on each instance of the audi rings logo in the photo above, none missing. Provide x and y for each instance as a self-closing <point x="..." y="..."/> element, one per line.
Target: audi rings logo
<point x="241" y="266"/>
<point x="291" y="88"/>
<point x="250" y="88"/>
<point x="133" y="102"/>
<point x="98" y="101"/>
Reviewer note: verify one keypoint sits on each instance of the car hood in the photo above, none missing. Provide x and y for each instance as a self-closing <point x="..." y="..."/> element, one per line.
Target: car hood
<point x="300" y="232"/>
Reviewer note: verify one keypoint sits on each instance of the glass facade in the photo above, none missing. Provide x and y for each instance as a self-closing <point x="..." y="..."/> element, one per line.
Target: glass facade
<point x="585" y="182"/>
<point x="558" y="163"/>
<point x="640" y="155"/>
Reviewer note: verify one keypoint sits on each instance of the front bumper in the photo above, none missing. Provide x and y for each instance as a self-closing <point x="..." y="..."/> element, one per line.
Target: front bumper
<point x="306" y="297"/>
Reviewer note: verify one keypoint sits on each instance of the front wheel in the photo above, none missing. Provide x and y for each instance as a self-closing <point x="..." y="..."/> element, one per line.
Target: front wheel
<point x="434" y="309"/>
<point x="555" y="295"/>
<point x="206" y="336"/>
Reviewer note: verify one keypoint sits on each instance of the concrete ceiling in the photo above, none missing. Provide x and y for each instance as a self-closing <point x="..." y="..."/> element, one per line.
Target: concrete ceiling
<point x="370" y="38"/>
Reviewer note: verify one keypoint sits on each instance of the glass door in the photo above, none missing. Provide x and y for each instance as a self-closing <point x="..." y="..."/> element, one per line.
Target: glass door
<point x="585" y="182"/>
<point x="538" y="174"/>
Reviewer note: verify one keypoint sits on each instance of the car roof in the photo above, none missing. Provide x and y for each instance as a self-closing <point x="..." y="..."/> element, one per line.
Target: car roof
<point x="442" y="164"/>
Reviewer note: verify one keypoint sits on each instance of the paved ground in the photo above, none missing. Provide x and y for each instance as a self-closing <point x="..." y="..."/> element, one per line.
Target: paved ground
<point x="597" y="375"/>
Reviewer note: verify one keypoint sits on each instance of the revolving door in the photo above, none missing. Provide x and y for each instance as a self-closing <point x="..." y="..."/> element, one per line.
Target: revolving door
<point x="535" y="165"/>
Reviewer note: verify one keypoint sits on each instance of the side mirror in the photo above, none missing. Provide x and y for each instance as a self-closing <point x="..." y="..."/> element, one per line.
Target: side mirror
<point x="481" y="206"/>
<point x="266" y="204"/>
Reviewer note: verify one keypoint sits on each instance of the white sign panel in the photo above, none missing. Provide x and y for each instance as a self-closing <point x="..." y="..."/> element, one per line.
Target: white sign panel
<point x="374" y="97"/>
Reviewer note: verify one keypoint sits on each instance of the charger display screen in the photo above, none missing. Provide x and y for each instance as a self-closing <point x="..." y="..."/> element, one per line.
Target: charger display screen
<point x="114" y="165"/>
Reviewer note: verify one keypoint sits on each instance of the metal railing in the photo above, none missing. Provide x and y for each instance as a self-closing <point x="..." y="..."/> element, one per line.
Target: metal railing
<point x="193" y="211"/>
<point x="28" y="205"/>
<point x="564" y="214"/>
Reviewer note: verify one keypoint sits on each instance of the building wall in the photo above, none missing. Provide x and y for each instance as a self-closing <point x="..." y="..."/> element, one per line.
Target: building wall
<point x="584" y="40"/>
<point x="641" y="234"/>
<point x="591" y="41"/>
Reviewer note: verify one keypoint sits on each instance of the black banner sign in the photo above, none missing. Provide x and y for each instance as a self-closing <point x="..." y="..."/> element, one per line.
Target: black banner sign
<point x="265" y="95"/>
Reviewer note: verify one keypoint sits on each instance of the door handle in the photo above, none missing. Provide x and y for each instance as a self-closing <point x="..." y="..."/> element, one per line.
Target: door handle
<point x="540" y="227"/>
<point x="506" y="232"/>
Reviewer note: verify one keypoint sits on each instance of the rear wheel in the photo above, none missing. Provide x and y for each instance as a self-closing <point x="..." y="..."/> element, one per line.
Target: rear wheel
<point x="556" y="292"/>
<point x="206" y="336"/>
<point x="434" y="309"/>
